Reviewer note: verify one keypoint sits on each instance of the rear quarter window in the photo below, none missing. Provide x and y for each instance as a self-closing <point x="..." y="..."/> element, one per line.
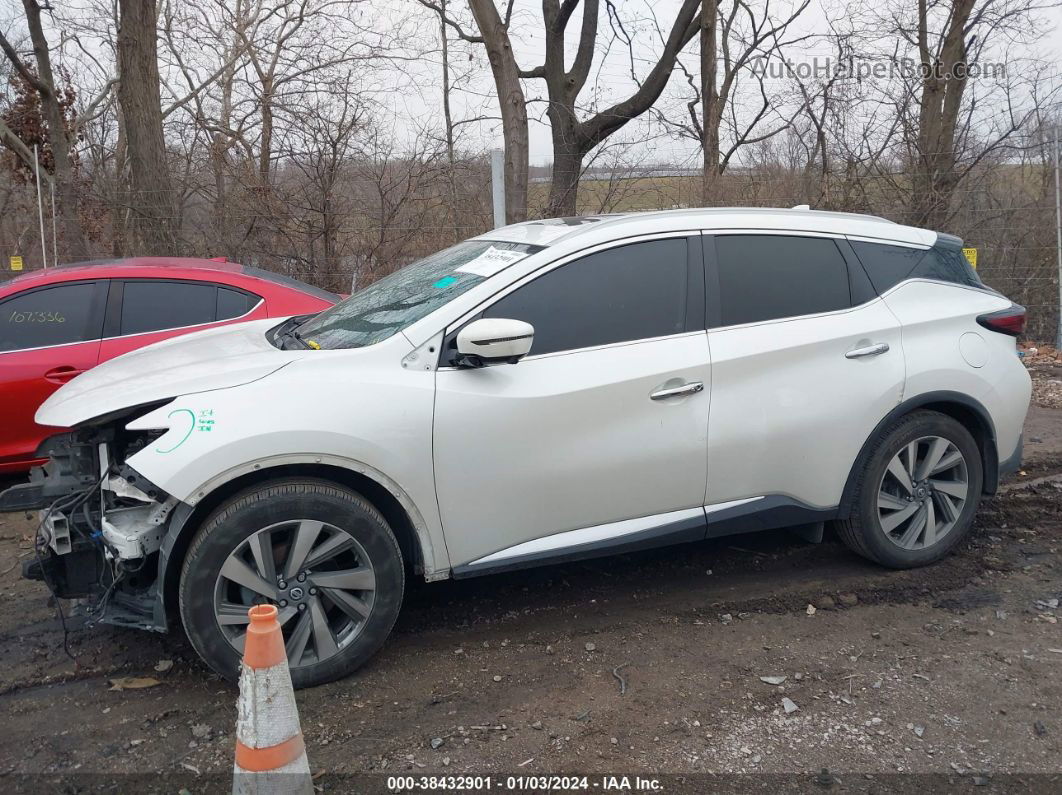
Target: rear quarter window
<point x="234" y="303"/>
<point x="947" y="264"/>
<point x="888" y="265"/>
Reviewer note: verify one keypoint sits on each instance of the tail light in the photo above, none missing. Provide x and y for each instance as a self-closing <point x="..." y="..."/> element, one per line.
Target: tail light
<point x="1007" y="321"/>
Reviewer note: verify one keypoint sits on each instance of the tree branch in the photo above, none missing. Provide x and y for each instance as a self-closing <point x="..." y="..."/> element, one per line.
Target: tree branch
<point x="23" y="70"/>
<point x="16" y="145"/>
<point x="454" y="24"/>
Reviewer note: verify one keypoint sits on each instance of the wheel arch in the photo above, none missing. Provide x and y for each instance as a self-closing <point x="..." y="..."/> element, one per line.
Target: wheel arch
<point x="401" y="514"/>
<point x="967" y="411"/>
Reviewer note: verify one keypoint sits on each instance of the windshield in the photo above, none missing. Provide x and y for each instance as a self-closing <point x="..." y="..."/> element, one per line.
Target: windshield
<point x="401" y="299"/>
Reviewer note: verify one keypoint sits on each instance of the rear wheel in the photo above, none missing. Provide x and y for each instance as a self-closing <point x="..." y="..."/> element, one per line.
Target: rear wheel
<point x="917" y="494"/>
<point x="321" y="553"/>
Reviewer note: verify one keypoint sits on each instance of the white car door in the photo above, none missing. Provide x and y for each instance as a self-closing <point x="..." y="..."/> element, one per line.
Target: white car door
<point x="597" y="439"/>
<point x="806" y="360"/>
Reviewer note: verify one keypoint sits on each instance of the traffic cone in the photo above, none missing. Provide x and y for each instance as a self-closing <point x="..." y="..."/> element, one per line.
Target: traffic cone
<point x="270" y="753"/>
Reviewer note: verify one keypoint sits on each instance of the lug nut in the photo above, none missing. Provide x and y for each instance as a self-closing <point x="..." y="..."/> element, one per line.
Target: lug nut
<point x="313" y="592"/>
<point x="302" y="608"/>
<point x="302" y="577"/>
<point x="283" y="602"/>
<point x="282" y="584"/>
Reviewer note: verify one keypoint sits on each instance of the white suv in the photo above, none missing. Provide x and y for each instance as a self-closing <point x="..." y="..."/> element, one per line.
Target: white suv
<point x="550" y="390"/>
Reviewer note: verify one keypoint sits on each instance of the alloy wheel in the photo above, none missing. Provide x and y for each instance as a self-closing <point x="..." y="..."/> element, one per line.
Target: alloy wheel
<point x="922" y="492"/>
<point x="319" y="577"/>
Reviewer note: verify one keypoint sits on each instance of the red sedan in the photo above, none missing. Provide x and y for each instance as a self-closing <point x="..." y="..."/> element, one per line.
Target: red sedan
<point x="59" y="322"/>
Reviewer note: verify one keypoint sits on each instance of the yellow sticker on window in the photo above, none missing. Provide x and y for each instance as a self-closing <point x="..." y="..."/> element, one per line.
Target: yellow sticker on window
<point x="16" y="263"/>
<point x="971" y="256"/>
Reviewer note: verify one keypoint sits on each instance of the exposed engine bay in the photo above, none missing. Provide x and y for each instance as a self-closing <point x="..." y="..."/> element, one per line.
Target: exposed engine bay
<point x="101" y="524"/>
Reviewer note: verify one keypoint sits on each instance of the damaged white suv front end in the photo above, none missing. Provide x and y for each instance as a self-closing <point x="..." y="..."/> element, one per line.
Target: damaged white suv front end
<point x="101" y="521"/>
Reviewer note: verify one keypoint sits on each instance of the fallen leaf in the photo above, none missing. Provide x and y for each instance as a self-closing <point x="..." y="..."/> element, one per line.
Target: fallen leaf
<point x="162" y="666"/>
<point x="132" y="682"/>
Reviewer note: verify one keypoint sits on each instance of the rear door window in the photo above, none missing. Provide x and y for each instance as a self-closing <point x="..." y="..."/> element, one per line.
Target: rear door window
<point x="767" y="277"/>
<point x="57" y="315"/>
<point x="158" y="305"/>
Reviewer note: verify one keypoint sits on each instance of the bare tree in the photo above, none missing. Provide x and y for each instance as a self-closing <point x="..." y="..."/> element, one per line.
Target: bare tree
<point x="61" y="136"/>
<point x="738" y="40"/>
<point x="151" y="197"/>
<point x="573" y="138"/>
<point x="943" y="84"/>
<point x="512" y="104"/>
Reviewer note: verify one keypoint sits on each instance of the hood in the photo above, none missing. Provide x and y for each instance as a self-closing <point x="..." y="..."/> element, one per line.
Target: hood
<point x="217" y="358"/>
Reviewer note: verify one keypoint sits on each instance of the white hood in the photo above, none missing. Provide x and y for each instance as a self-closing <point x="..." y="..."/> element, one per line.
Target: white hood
<point x="213" y="359"/>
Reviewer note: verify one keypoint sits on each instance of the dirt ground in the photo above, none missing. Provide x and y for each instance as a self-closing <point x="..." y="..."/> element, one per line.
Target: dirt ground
<point x="640" y="664"/>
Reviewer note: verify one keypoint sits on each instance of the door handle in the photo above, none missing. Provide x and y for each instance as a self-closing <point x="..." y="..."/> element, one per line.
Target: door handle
<point x="690" y="388"/>
<point x="869" y="350"/>
<point x="62" y="374"/>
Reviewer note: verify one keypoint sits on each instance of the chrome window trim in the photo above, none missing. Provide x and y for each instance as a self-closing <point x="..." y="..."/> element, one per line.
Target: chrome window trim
<point x="793" y="318"/>
<point x="772" y="232"/>
<point x="881" y="241"/>
<point x="592" y="348"/>
<point x="914" y="279"/>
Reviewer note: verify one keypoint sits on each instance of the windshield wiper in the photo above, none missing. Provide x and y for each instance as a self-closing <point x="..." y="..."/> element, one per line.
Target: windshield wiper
<point x="286" y="334"/>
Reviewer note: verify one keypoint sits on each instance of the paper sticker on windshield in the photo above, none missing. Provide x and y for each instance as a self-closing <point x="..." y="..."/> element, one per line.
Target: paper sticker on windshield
<point x="491" y="261"/>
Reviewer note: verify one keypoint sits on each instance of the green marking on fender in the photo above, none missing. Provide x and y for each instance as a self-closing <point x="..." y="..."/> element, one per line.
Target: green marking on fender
<point x="191" y="426"/>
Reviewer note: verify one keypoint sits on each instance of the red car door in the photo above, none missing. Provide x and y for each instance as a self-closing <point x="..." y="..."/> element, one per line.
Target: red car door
<point x="48" y="336"/>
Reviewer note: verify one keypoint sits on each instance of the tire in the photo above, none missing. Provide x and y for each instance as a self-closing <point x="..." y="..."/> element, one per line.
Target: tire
<point x="881" y="526"/>
<point x="352" y="569"/>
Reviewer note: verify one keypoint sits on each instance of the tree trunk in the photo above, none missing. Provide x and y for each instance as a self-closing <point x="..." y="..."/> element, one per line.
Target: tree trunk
<point x="221" y="142"/>
<point x="934" y="181"/>
<point x="711" y="110"/>
<point x="573" y="140"/>
<point x="449" y="121"/>
<point x="68" y="223"/>
<point x="151" y="193"/>
<point x="512" y="104"/>
<point x="567" y="168"/>
<point x="120" y="215"/>
<point x="265" y="153"/>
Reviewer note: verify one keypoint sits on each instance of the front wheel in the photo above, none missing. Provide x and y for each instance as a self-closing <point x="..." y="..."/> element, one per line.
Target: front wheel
<point x="917" y="493"/>
<point x="321" y="553"/>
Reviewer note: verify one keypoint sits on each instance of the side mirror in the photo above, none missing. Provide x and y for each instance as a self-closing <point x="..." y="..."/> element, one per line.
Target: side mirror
<point x="493" y="340"/>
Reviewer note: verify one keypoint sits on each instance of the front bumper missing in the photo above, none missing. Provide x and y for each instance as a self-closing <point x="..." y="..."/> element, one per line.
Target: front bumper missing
<point x="101" y="529"/>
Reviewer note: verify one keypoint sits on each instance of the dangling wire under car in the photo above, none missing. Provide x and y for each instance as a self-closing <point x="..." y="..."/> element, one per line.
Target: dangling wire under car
<point x="70" y="503"/>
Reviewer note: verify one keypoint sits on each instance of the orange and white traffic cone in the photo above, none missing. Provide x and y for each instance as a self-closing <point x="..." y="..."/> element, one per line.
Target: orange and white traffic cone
<point x="270" y="753"/>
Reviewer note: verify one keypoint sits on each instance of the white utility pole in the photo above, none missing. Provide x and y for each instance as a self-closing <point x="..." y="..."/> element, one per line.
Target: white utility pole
<point x="55" y="237"/>
<point x="40" y="205"/>
<point x="497" y="184"/>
